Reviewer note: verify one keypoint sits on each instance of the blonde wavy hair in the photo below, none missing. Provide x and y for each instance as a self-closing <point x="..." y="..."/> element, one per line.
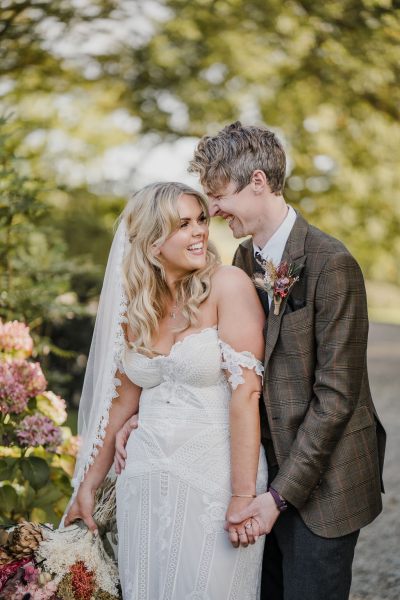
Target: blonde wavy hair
<point x="151" y="216"/>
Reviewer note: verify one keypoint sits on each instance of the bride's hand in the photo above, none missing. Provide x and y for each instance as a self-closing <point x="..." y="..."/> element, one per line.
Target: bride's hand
<point x="82" y="508"/>
<point x="246" y="532"/>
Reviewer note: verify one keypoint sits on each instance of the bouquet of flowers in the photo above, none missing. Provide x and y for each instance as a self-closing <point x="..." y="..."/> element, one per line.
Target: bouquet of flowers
<point x="37" y="454"/>
<point x="70" y="563"/>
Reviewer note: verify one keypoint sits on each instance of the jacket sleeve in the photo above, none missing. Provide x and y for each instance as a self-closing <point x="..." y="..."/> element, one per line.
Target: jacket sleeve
<point x="341" y="335"/>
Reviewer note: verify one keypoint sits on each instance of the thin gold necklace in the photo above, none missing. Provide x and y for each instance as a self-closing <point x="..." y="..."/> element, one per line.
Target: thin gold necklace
<point x="174" y="310"/>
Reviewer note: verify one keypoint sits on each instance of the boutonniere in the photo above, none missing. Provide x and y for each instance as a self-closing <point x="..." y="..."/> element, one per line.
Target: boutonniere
<point x="277" y="281"/>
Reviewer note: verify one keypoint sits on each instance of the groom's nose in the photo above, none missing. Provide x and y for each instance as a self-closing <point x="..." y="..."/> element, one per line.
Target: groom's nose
<point x="213" y="207"/>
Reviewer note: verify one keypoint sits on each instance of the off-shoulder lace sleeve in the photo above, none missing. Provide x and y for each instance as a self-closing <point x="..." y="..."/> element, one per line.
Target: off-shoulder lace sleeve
<point x="233" y="362"/>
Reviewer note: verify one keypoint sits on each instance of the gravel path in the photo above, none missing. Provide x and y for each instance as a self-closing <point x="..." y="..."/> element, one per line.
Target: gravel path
<point x="376" y="572"/>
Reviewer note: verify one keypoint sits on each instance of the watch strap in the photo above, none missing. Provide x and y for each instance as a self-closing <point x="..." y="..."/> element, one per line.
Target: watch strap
<point x="281" y="504"/>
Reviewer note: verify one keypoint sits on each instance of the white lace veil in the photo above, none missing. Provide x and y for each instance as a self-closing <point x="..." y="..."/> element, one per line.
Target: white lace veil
<point x="100" y="383"/>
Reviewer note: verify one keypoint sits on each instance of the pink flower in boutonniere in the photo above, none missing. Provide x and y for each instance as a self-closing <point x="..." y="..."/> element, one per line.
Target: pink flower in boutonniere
<point x="276" y="281"/>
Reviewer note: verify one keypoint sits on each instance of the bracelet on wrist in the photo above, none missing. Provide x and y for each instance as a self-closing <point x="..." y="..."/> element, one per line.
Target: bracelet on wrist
<point x="244" y="495"/>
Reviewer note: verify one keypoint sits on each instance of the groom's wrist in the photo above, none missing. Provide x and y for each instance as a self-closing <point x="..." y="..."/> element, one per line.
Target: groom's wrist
<point x="280" y="502"/>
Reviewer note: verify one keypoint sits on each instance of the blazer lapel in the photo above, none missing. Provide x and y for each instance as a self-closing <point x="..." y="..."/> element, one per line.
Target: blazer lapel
<point x="293" y="254"/>
<point x="244" y="257"/>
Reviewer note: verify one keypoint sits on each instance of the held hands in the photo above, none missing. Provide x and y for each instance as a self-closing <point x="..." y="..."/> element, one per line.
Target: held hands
<point x="121" y="441"/>
<point x="245" y="531"/>
<point x="82" y="508"/>
<point x="261" y="513"/>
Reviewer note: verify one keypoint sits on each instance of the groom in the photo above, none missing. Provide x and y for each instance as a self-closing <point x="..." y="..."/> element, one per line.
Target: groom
<point x="322" y="437"/>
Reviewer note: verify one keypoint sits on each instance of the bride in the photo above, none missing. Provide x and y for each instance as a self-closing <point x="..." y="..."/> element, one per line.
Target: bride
<point x="178" y="340"/>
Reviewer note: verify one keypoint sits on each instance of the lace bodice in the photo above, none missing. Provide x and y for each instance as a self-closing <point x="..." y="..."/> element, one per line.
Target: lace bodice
<point x="197" y="360"/>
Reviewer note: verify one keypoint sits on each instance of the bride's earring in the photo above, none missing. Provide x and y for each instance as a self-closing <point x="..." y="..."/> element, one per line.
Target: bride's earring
<point x="155" y="249"/>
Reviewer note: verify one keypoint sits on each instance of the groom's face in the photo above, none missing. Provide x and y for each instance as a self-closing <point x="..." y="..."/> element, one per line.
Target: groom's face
<point x="234" y="207"/>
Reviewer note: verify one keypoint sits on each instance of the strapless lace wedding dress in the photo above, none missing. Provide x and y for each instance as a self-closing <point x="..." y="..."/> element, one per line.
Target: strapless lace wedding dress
<point x="173" y="494"/>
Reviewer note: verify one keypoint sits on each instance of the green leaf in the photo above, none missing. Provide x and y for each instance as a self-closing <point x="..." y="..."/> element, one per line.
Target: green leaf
<point x="7" y="468"/>
<point x="38" y="515"/>
<point x="48" y="495"/>
<point x="8" y="498"/>
<point x="35" y="470"/>
<point x="63" y="482"/>
<point x="25" y="498"/>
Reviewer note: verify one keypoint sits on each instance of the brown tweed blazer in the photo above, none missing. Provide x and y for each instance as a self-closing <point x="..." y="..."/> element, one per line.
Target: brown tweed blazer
<point x="327" y="439"/>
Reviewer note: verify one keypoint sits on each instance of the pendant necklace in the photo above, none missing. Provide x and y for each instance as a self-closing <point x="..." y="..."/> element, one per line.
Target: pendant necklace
<point x="172" y="313"/>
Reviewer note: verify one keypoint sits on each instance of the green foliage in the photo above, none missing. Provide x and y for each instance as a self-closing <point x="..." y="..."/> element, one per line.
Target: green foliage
<point x="34" y="488"/>
<point x="34" y="273"/>
<point x="324" y="75"/>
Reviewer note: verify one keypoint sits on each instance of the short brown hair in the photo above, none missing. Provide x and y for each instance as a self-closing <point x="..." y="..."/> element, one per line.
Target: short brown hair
<point x="235" y="153"/>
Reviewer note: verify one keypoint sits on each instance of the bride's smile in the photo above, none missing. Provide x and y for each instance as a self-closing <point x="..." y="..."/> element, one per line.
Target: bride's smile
<point x="185" y="249"/>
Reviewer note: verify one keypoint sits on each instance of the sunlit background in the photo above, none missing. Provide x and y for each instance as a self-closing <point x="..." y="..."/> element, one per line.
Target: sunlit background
<point x="99" y="97"/>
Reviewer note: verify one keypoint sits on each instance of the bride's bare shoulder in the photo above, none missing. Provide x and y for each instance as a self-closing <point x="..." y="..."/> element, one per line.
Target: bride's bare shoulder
<point x="227" y="278"/>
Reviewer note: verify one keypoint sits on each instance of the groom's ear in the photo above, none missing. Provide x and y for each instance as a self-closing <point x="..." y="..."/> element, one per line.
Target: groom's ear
<point x="259" y="182"/>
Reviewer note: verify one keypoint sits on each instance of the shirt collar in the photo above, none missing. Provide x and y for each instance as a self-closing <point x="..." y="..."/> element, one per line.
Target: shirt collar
<point x="273" y="249"/>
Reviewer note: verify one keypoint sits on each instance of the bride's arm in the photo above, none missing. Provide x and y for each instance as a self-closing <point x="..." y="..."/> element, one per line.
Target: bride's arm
<point x="240" y="325"/>
<point x="123" y="407"/>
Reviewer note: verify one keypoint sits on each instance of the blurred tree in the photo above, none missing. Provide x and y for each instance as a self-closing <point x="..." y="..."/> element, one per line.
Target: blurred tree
<point x="85" y="77"/>
<point x="326" y="76"/>
<point x="35" y="275"/>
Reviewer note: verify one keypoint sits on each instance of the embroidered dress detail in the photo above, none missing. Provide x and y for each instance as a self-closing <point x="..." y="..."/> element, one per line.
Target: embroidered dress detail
<point x="235" y="362"/>
<point x="173" y="494"/>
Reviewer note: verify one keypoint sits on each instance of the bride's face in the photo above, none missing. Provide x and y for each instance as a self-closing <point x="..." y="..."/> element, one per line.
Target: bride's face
<point x="185" y="249"/>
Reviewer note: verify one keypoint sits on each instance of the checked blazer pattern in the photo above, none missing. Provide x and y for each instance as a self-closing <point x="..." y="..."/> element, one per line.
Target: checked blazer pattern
<point x="327" y="438"/>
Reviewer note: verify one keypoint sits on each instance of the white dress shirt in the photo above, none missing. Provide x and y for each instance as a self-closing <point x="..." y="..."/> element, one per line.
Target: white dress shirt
<point x="273" y="249"/>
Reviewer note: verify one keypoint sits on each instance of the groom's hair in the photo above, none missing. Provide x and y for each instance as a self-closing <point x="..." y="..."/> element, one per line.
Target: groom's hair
<point x="235" y="153"/>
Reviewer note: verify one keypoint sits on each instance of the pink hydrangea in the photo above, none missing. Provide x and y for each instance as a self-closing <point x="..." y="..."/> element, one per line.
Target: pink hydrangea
<point x="38" y="430"/>
<point x="13" y="395"/>
<point x="30" y="375"/>
<point x="15" y="339"/>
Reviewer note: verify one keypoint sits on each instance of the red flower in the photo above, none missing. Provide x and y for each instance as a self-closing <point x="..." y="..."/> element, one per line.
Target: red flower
<point x="83" y="582"/>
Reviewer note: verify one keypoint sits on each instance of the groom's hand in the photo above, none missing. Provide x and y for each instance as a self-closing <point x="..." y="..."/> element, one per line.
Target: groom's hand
<point x="262" y="509"/>
<point x="121" y="440"/>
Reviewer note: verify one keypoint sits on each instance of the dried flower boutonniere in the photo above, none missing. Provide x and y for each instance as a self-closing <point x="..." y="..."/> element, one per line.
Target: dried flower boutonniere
<point x="276" y="281"/>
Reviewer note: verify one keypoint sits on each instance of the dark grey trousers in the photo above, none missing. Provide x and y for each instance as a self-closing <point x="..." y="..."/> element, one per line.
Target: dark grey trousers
<point x="299" y="565"/>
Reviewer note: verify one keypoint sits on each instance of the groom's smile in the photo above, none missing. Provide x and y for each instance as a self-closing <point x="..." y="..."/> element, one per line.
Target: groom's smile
<point x="233" y="206"/>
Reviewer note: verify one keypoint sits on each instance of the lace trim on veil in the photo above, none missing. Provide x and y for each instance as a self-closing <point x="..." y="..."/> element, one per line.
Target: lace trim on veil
<point x="105" y="359"/>
<point x="233" y="362"/>
<point x="111" y="393"/>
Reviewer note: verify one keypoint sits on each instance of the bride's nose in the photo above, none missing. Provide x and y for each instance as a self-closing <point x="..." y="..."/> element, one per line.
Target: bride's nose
<point x="198" y="230"/>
